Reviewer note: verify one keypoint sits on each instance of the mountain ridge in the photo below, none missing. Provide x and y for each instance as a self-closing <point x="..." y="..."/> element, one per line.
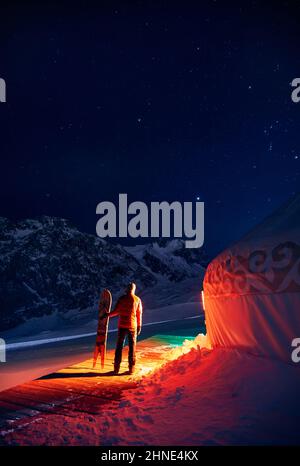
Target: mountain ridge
<point x="47" y="265"/>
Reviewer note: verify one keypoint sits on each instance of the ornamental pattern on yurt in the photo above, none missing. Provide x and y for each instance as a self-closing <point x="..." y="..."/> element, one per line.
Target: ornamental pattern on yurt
<point x="273" y="270"/>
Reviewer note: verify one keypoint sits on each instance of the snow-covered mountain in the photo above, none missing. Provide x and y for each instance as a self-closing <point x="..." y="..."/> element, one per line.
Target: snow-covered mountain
<point x="170" y="258"/>
<point x="178" y="271"/>
<point x="48" y="266"/>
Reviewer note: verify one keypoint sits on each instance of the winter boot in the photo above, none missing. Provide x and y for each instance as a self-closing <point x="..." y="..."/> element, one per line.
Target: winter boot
<point x="131" y="370"/>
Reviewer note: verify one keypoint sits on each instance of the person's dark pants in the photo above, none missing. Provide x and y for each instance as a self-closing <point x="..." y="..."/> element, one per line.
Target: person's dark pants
<point x="131" y="336"/>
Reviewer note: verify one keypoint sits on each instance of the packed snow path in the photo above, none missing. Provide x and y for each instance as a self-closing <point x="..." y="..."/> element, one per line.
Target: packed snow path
<point x="77" y="389"/>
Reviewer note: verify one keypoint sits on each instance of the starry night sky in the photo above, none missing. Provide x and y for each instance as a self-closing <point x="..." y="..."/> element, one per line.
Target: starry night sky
<point x="160" y="100"/>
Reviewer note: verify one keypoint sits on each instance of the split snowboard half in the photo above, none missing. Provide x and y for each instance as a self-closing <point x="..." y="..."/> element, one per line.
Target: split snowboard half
<point x="104" y="308"/>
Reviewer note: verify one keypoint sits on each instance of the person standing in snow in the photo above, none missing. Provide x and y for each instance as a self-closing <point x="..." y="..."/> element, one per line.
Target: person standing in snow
<point x="129" y="309"/>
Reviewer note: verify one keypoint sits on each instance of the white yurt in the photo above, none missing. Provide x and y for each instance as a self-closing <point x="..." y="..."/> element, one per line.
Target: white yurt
<point x="252" y="289"/>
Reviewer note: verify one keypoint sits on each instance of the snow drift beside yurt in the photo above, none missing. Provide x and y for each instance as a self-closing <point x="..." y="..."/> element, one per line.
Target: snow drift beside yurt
<point x="252" y="289"/>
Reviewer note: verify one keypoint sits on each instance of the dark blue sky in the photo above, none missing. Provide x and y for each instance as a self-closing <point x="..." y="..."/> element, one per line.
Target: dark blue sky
<point x="160" y="100"/>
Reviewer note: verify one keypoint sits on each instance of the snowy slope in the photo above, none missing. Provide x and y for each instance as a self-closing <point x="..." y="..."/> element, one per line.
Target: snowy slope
<point x="47" y="265"/>
<point x="51" y="274"/>
<point x="219" y="398"/>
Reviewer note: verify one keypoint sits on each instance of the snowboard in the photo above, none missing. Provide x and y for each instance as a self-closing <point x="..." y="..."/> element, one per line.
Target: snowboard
<point x="104" y="307"/>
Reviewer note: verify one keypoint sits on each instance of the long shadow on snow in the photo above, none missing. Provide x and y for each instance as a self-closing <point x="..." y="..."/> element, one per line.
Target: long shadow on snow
<point x="73" y="375"/>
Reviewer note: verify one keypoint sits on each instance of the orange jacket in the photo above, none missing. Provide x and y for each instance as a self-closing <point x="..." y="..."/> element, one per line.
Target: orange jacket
<point x="129" y="309"/>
